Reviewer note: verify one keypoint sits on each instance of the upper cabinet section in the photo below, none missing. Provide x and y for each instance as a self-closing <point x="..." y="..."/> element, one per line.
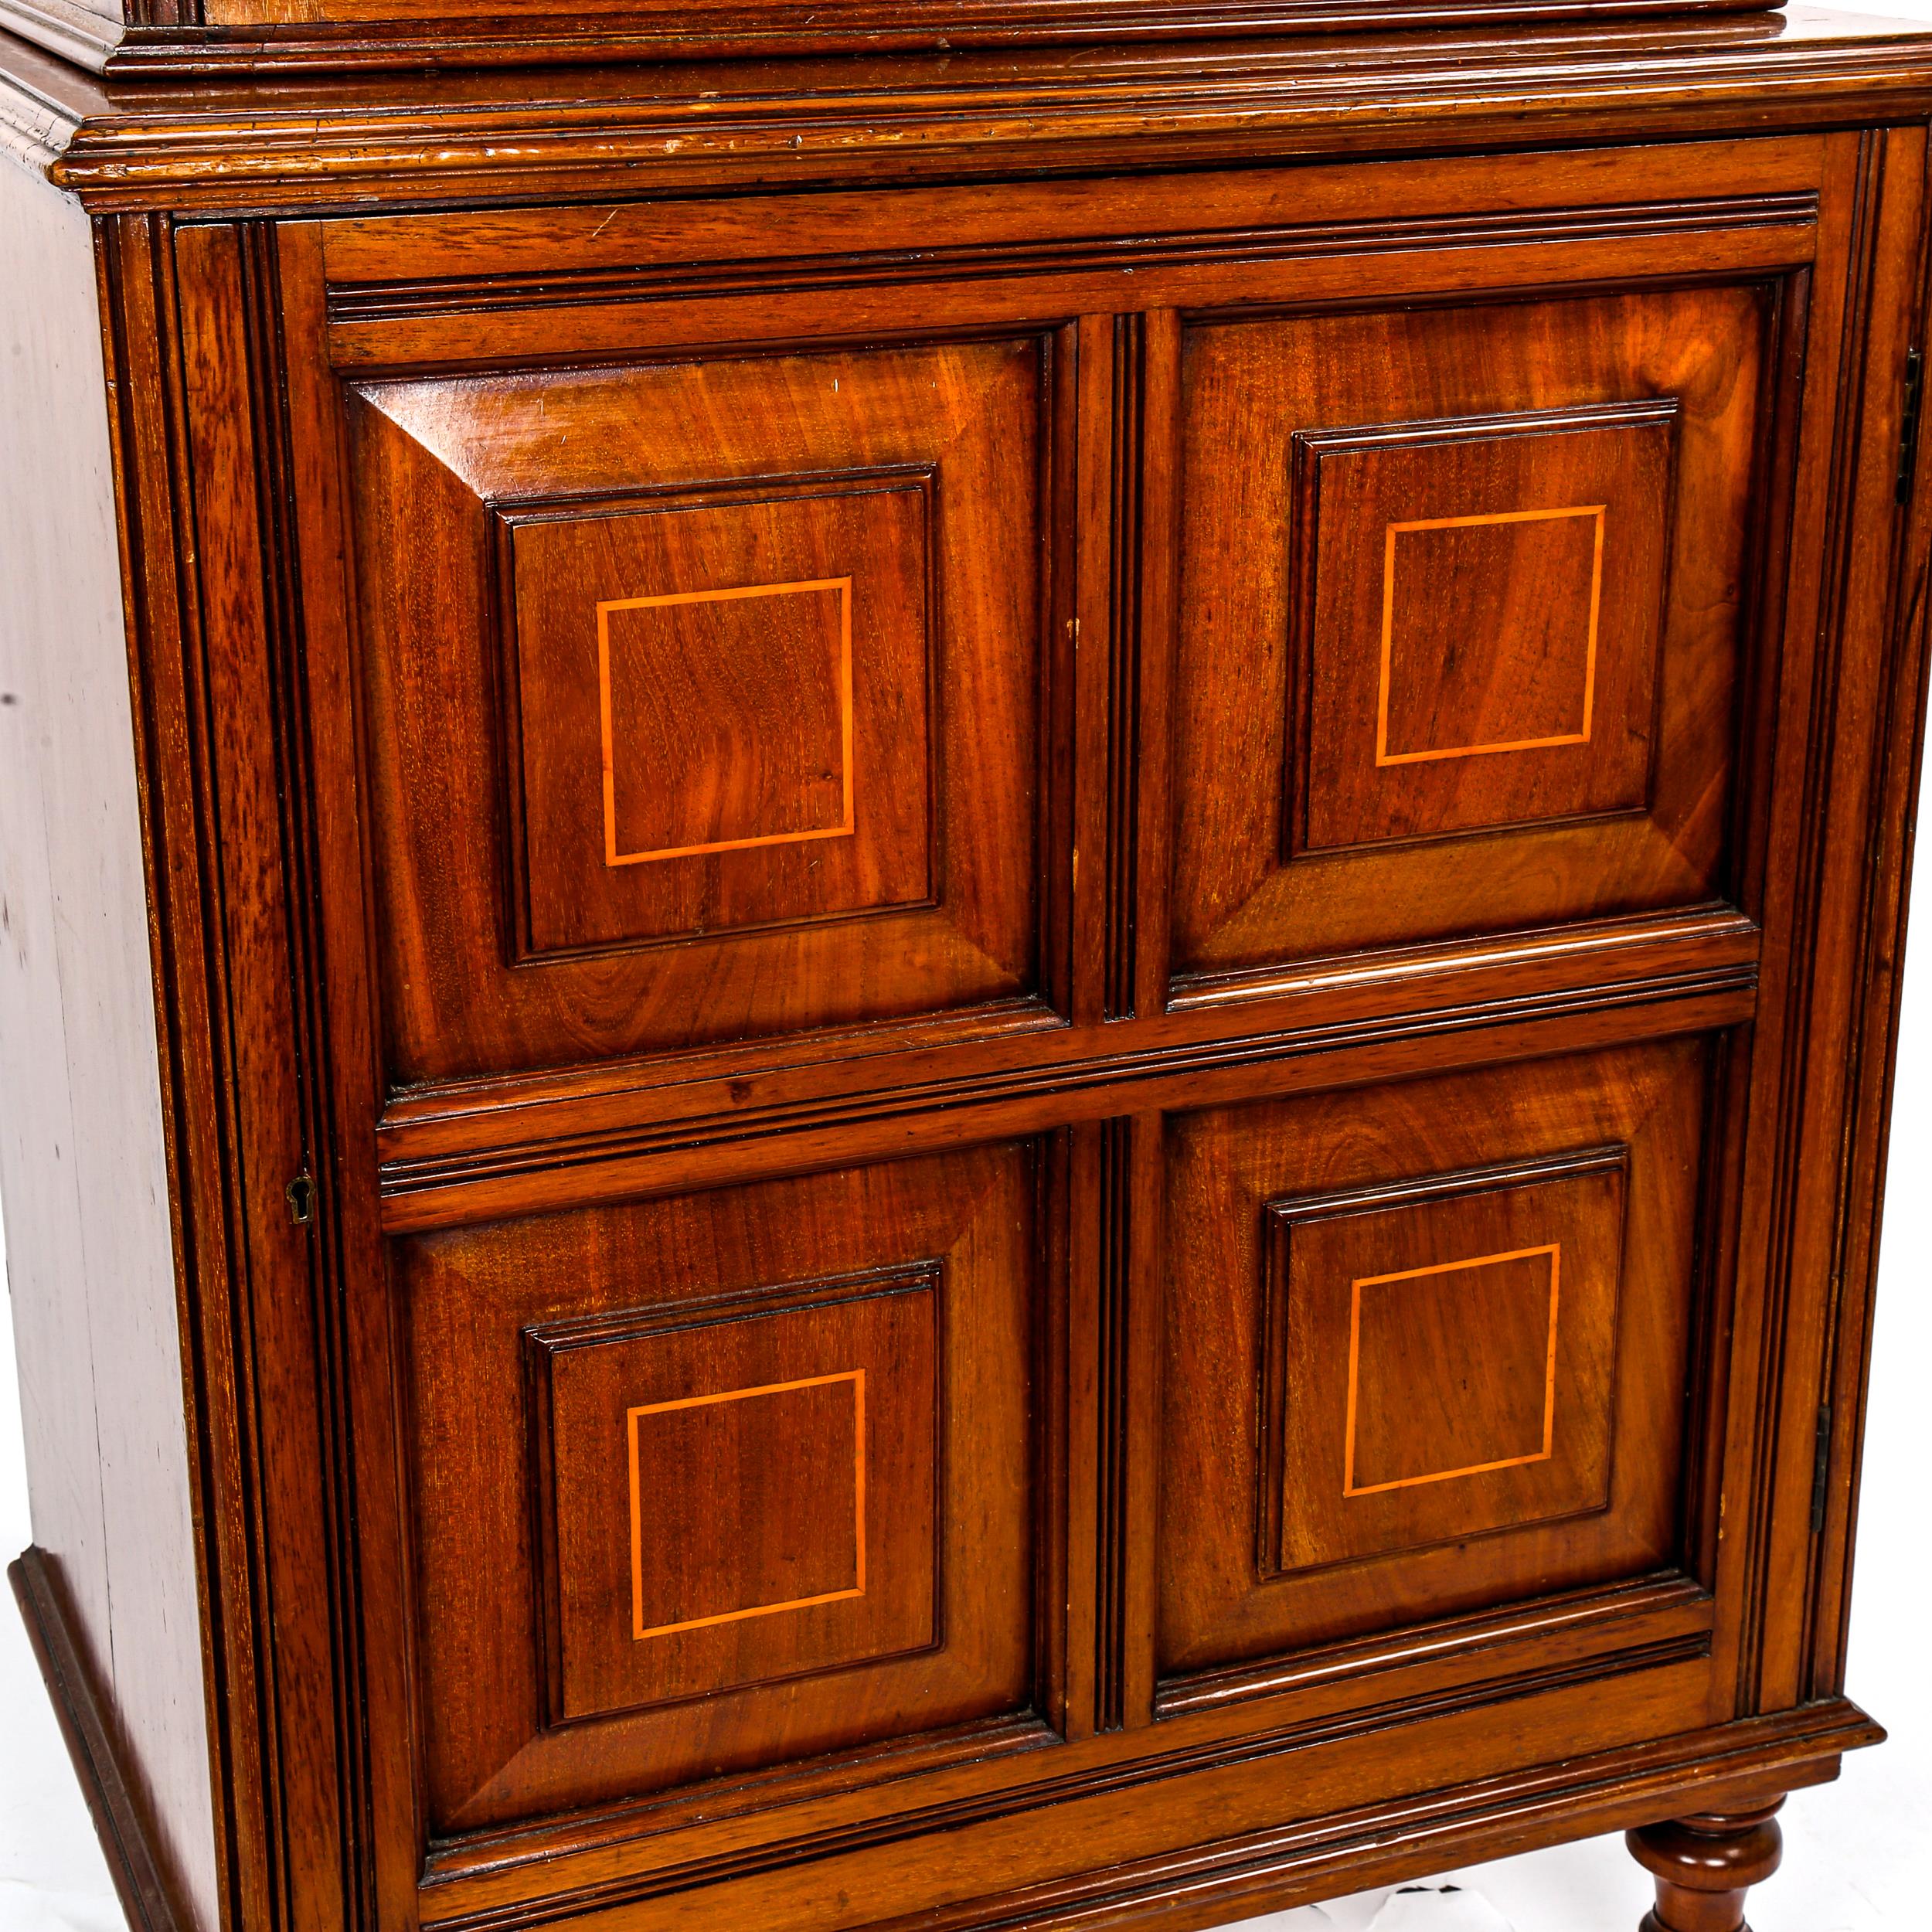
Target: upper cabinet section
<point x="267" y="34"/>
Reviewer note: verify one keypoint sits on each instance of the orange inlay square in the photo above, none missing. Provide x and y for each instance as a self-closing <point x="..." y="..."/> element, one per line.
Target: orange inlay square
<point x="791" y="1444"/>
<point x="727" y="719"/>
<point x="1486" y="1329"/>
<point x="1536" y="572"/>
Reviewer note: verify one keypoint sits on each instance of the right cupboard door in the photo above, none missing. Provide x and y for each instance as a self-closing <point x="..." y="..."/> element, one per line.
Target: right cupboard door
<point x="1465" y="613"/>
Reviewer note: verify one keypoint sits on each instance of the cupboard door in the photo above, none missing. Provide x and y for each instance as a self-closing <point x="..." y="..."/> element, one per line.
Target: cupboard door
<point x="702" y="699"/>
<point x="1465" y="617"/>
<point x="723" y="1483"/>
<point x="1428" y="1350"/>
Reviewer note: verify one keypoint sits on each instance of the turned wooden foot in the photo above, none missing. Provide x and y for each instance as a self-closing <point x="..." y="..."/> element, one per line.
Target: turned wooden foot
<point x="1705" y="1866"/>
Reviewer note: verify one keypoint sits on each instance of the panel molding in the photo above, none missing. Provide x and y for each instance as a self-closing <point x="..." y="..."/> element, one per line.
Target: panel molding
<point x="543" y="1343"/>
<point x="1299" y="1212"/>
<point x="508" y="514"/>
<point x="364" y="306"/>
<point x="1311" y="448"/>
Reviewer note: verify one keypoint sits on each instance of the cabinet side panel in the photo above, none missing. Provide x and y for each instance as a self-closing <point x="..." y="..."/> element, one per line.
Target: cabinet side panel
<point x="83" y="1156"/>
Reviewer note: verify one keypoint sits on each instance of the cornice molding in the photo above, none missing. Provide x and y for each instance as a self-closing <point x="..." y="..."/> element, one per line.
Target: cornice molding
<point x="272" y="146"/>
<point x="35" y="132"/>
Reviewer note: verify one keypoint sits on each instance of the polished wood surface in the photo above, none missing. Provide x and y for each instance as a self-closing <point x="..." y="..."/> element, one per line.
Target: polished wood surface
<point x="1398" y="1458"/>
<point x="1705" y="1866"/>
<point x="1026" y="927"/>
<point x="1590" y="733"/>
<point x="889" y="1314"/>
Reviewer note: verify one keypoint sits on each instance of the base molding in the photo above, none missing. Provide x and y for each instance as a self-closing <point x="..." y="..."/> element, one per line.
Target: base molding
<point x="1728" y="1769"/>
<point x="81" y="1712"/>
<point x="1733" y="1767"/>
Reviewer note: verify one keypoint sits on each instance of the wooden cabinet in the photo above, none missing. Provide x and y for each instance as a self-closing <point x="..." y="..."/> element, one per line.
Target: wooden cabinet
<point x="992" y="959"/>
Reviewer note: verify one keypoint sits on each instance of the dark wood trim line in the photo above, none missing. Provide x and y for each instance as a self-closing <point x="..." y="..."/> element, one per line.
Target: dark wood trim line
<point x="81" y="1712"/>
<point x="1322" y="1859"/>
<point x="528" y="1174"/>
<point x="690" y="29"/>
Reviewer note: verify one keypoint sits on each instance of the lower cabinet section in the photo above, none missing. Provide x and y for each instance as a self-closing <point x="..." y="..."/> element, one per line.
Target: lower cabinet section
<point x="774" y="1508"/>
<point x="773" y="1495"/>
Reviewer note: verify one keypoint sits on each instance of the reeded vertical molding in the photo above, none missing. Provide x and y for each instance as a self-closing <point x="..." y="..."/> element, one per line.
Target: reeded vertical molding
<point x="1123" y="677"/>
<point x="1115" y="1245"/>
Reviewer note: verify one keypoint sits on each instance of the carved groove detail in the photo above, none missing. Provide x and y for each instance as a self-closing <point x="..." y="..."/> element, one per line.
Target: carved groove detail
<point x="1117" y="1232"/>
<point x="1124" y="676"/>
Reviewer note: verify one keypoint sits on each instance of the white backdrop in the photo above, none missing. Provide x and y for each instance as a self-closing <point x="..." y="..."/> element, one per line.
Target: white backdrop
<point x="1851" y="1848"/>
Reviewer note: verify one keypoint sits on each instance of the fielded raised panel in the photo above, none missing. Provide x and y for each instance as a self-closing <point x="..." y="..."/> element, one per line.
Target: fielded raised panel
<point x="703" y="699"/>
<point x="1472" y="1309"/>
<point x="728" y="713"/>
<point x="1512" y="607"/>
<point x="1427" y="1350"/>
<point x="1479" y="666"/>
<point x="772" y="1497"/>
<point x="781" y="1457"/>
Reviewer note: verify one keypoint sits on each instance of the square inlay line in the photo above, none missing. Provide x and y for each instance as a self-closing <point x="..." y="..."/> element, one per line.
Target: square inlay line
<point x="840" y="587"/>
<point x="856" y="1379"/>
<point x="1349" y="1488"/>
<point x="1395" y="531"/>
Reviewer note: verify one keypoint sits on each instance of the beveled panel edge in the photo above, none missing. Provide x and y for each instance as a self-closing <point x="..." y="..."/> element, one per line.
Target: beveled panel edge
<point x="1602" y="1618"/>
<point x="1487" y="426"/>
<point x="1388" y="966"/>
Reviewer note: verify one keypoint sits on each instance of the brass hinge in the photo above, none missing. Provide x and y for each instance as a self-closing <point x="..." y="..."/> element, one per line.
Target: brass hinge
<point x="1821" y="1471"/>
<point x="301" y="1199"/>
<point x="1909" y="421"/>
